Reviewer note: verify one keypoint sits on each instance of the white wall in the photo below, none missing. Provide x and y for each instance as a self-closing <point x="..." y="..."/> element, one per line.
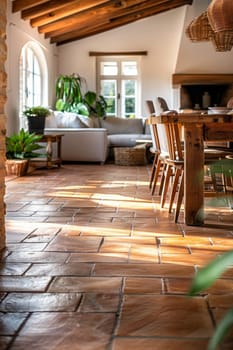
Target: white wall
<point x="19" y="33"/>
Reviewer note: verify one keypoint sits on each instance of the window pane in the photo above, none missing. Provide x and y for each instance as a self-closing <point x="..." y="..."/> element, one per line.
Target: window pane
<point x="108" y="68"/>
<point x="30" y="81"/>
<point x="130" y="105"/>
<point x="129" y="87"/>
<point x="129" y="68"/>
<point x="36" y="66"/>
<point x="129" y="98"/>
<point x="108" y="90"/>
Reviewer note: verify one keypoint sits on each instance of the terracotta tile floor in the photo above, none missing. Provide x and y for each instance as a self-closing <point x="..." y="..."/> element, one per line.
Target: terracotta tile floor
<point x="93" y="263"/>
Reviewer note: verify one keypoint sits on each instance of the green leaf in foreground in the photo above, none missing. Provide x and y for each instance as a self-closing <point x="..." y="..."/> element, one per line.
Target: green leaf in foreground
<point x="207" y="275"/>
<point x="221" y="331"/>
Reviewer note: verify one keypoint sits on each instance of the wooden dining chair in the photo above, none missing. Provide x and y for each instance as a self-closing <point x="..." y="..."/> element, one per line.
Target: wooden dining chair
<point x="155" y="149"/>
<point x="163" y="104"/>
<point x="174" y="166"/>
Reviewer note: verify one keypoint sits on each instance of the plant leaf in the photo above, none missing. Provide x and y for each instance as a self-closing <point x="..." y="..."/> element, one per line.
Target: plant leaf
<point x="207" y="275"/>
<point x="222" y="329"/>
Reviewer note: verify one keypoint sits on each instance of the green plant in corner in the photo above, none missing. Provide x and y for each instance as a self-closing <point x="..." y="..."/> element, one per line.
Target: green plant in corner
<point x="22" y="145"/>
<point x="69" y="94"/>
<point x="96" y="104"/>
<point x="204" y="279"/>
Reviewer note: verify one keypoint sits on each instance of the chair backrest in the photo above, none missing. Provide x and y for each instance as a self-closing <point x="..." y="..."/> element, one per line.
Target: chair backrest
<point x="150" y="106"/>
<point x="153" y="127"/>
<point x="163" y="104"/>
<point x="173" y="134"/>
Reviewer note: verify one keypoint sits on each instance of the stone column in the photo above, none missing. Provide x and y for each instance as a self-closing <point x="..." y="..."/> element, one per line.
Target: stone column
<point x="3" y="82"/>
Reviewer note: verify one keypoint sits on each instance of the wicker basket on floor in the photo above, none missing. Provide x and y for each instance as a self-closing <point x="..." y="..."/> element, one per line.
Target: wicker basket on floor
<point x="130" y="155"/>
<point x="16" y="167"/>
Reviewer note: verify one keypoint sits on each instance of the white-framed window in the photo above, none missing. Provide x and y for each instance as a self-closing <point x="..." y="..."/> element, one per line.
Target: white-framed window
<point x="33" y="73"/>
<point x="118" y="80"/>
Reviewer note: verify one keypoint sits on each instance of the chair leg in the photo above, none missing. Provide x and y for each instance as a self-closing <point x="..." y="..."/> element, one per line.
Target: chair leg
<point x="180" y="197"/>
<point x="166" y="184"/>
<point x="153" y="170"/>
<point x="156" y="176"/>
<point x="178" y="173"/>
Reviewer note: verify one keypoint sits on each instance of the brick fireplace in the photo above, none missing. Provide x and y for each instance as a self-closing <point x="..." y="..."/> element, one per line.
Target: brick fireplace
<point x="3" y="81"/>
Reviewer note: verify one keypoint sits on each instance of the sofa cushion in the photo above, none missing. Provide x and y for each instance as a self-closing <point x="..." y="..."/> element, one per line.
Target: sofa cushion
<point x="116" y="125"/>
<point x="50" y="120"/>
<point x="126" y="140"/>
<point x="68" y="120"/>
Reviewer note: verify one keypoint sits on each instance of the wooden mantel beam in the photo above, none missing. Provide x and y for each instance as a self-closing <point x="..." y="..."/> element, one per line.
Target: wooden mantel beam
<point x="185" y="78"/>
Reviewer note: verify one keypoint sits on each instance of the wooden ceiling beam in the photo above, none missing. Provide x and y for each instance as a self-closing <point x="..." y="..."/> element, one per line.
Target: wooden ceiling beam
<point x="45" y="8"/>
<point x="93" y="16"/>
<point x="68" y="20"/>
<point x="19" y="5"/>
<point x="87" y="31"/>
<point x="54" y="10"/>
<point x="131" y="14"/>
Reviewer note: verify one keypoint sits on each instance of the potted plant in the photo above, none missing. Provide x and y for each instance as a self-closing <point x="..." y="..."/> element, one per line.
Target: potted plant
<point x="69" y="94"/>
<point x="36" y="118"/>
<point x="19" y="149"/>
<point x="96" y="104"/>
<point x="71" y="99"/>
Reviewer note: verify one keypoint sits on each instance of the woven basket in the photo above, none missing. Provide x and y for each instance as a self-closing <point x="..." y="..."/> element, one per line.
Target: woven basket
<point x="16" y="167"/>
<point x="130" y="156"/>
<point x="223" y="41"/>
<point x="199" y="29"/>
<point x="220" y="17"/>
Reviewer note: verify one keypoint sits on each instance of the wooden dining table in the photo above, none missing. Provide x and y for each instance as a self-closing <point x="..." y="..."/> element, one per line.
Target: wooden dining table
<point x="198" y="127"/>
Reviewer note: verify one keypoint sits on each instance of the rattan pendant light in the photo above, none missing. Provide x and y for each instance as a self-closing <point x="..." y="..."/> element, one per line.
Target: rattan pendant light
<point x="199" y="29"/>
<point x="222" y="41"/>
<point x="215" y="25"/>
<point x="220" y="15"/>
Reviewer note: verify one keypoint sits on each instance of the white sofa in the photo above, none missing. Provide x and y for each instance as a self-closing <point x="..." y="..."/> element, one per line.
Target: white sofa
<point x="82" y="144"/>
<point x="92" y="139"/>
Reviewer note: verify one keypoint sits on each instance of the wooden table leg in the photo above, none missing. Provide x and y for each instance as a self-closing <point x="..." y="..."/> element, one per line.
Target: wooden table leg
<point x="194" y="174"/>
<point x="59" y="150"/>
<point x="49" y="153"/>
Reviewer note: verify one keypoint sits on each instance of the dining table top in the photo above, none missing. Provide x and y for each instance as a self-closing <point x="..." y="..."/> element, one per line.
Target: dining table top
<point x="192" y="117"/>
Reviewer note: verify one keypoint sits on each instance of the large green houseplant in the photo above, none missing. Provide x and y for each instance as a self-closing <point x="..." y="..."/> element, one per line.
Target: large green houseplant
<point x="71" y="98"/>
<point x="19" y="149"/>
<point x="36" y="118"/>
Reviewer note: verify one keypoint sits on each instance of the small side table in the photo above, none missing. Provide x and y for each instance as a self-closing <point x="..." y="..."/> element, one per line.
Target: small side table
<point x="50" y="159"/>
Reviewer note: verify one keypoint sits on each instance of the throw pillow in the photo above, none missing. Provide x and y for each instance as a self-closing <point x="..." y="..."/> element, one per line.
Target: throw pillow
<point x="88" y="122"/>
<point x="69" y="120"/>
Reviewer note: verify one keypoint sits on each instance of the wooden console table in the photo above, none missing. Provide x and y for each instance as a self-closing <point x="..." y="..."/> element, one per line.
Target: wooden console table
<point x="197" y="129"/>
<point x="50" y="158"/>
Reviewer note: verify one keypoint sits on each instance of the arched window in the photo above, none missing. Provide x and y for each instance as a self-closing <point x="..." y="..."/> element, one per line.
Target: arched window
<point x="33" y="79"/>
